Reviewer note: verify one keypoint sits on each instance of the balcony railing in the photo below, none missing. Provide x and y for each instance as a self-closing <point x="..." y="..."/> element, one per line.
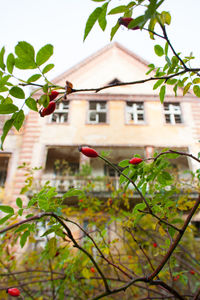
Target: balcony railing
<point x="63" y="183"/>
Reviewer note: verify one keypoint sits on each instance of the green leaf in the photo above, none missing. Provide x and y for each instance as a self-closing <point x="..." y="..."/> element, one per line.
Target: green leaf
<point x="186" y="88"/>
<point x="151" y="26"/>
<point x="166" y="48"/>
<point x="52" y="246"/>
<point x="171" y="81"/>
<point x="165" y="17"/>
<point x="73" y="192"/>
<point x="98" y="0"/>
<point x="34" y="77"/>
<point x="7" y="126"/>
<point x="114" y="30"/>
<point x="20" y="211"/>
<point x="7" y="209"/>
<point x="196" y="90"/>
<point x="10" y="63"/>
<point x="2" y="65"/>
<point x="44" y="54"/>
<point x="162" y="93"/>
<point x="139" y="206"/>
<point x="117" y="10"/>
<point x="8" y="108"/>
<point x="158" y="83"/>
<point x="22" y="227"/>
<point x="196" y="80"/>
<point x="26" y="56"/>
<point x="139" y="21"/>
<point x="4" y="219"/>
<point x="168" y="60"/>
<point x="17" y="92"/>
<point x="123" y="178"/>
<point x="102" y="18"/>
<point x="47" y="68"/>
<point x="91" y="21"/>
<point x="158" y="50"/>
<point x="31" y="103"/>
<point x="24" y="237"/>
<point x="18" y="119"/>
<point x="124" y="163"/>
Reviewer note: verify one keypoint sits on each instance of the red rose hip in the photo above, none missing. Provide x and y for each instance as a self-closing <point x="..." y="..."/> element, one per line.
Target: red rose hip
<point x="125" y="22"/>
<point x="135" y="161"/>
<point x="89" y="152"/>
<point x="53" y="95"/>
<point x="48" y="110"/>
<point x="13" y="292"/>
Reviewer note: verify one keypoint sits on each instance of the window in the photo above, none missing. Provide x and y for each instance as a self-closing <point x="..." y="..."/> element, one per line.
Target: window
<point x="3" y="170"/>
<point x="172" y="113"/>
<point x="134" y="112"/>
<point x="97" y="112"/>
<point x="61" y="112"/>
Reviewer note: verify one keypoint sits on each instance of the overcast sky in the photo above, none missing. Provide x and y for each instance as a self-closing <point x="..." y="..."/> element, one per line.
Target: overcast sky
<point x="62" y="23"/>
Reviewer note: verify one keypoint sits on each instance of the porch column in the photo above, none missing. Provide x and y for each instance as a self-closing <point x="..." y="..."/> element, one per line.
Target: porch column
<point x="149" y="151"/>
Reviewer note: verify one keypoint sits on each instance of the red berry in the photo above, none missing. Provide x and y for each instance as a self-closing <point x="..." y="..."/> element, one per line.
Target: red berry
<point x="13" y="292"/>
<point x="81" y="200"/>
<point x="135" y="161"/>
<point x="192" y="272"/>
<point x="126" y="21"/>
<point x="176" y="278"/>
<point x="49" y="109"/>
<point x="89" y="152"/>
<point x="155" y="245"/>
<point x="92" y="270"/>
<point x="53" y="95"/>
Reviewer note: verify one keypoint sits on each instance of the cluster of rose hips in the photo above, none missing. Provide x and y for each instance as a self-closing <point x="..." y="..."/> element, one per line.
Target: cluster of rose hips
<point x="45" y="111"/>
<point x="89" y="152"/>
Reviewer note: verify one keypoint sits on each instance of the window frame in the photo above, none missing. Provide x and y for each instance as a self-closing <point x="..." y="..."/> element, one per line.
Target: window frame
<point x="61" y="112"/>
<point x="97" y="111"/>
<point x="135" y="112"/>
<point x="172" y="112"/>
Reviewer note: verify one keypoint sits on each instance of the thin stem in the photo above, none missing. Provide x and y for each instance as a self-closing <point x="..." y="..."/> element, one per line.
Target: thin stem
<point x="176" y="152"/>
<point x="129" y="179"/>
<point x="177" y="240"/>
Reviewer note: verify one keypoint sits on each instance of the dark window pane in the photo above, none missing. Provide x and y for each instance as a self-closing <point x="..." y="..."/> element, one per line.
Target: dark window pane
<point x="140" y="117"/>
<point x="167" y="118"/>
<point x="92" y="116"/>
<point x="102" y="117"/>
<point x="92" y="105"/>
<point x="177" y="118"/>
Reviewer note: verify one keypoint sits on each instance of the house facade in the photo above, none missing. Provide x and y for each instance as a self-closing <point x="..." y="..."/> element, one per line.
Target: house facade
<point x="122" y="121"/>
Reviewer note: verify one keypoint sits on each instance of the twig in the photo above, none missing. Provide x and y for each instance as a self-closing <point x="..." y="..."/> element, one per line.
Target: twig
<point x="173" y="151"/>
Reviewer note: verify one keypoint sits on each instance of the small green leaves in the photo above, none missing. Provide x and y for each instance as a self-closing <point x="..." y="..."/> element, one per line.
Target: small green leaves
<point x="19" y="202"/>
<point x="158" y="83"/>
<point x="196" y="90"/>
<point x="24" y="238"/>
<point x="124" y="163"/>
<point x="10" y="63"/>
<point x="162" y="93"/>
<point x="34" y="78"/>
<point x="47" y="68"/>
<point x="118" y="10"/>
<point x="44" y="54"/>
<point x="18" y="119"/>
<point x="8" y="108"/>
<point x="26" y="56"/>
<point x="158" y="50"/>
<point x="17" y="92"/>
<point x="31" y="103"/>
<point x="92" y="20"/>
<point x="102" y="17"/>
<point x="114" y="30"/>
<point x="2" y="65"/>
<point x="7" y="126"/>
<point x="7" y="209"/>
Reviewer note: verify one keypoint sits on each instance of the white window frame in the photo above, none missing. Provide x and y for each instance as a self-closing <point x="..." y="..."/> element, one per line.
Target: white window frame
<point x="97" y="111"/>
<point x="60" y="113"/>
<point x="135" y="111"/>
<point x="174" y="109"/>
